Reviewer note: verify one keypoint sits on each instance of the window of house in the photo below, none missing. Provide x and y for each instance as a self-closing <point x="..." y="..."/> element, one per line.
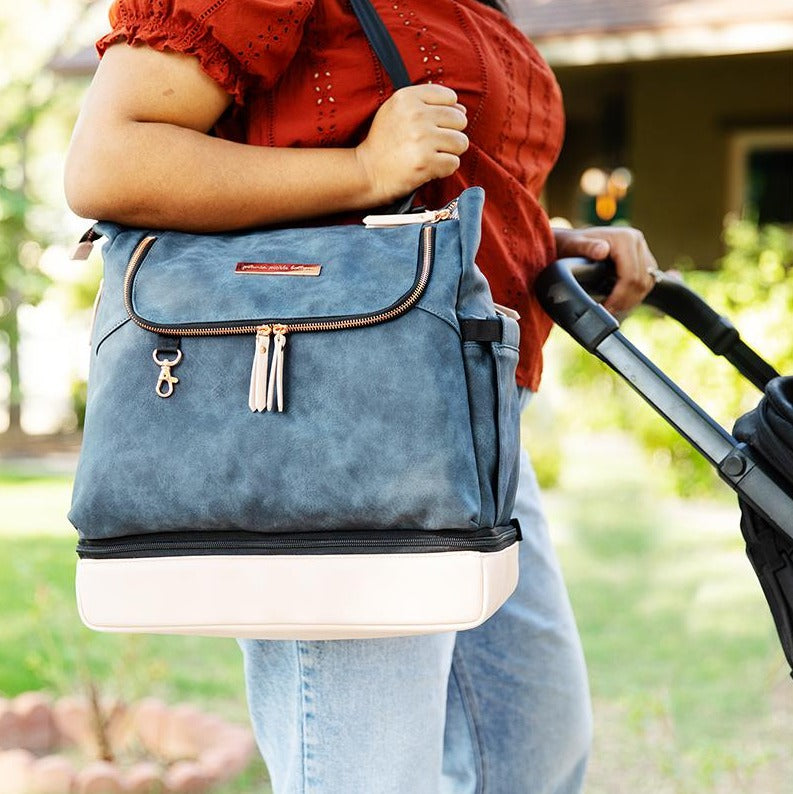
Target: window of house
<point x="761" y="175"/>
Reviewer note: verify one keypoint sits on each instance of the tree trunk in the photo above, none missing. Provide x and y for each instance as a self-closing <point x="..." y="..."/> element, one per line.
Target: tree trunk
<point x="15" y="392"/>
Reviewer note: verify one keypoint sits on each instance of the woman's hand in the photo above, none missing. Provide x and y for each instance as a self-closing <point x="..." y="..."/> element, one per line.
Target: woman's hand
<point x="416" y="135"/>
<point x="637" y="270"/>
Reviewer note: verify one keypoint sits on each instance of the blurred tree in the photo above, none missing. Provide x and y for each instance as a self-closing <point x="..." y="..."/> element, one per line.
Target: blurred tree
<point x="29" y="97"/>
<point x="21" y="282"/>
<point x="753" y="286"/>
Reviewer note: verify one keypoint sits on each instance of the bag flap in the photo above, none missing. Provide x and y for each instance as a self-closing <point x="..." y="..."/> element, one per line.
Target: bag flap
<point x="187" y="280"/>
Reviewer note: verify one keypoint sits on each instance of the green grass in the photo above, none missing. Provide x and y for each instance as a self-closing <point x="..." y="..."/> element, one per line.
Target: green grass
<point x="687" y="676"/>
<point x="33" y="502"/>
<point x="688" y="681"/>
<point x="44" y="646"/>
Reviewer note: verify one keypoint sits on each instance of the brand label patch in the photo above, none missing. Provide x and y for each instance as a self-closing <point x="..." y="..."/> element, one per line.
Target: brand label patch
<point x="278" y="268"/>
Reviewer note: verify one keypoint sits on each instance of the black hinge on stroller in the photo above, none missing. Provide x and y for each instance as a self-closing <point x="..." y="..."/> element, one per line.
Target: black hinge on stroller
<point x="756" y="462"/>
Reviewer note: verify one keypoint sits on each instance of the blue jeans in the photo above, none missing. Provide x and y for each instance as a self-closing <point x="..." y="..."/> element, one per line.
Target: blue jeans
<point x="500" y="709"/>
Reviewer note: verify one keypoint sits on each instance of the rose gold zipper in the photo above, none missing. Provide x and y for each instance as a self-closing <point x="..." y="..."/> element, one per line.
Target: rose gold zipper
<point x="271" y="383"/>
<point x="329" y="325"/>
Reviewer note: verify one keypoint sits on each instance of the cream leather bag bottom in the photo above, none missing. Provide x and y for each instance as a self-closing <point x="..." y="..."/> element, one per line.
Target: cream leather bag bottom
<point x="268" y="597"/>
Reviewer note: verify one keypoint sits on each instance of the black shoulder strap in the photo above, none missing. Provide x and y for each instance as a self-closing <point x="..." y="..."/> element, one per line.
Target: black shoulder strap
<point x="381" y="41"/>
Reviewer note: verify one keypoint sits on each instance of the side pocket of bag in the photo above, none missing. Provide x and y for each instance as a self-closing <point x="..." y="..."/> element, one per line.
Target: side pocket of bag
<point x="480" y="375"/>
<point x="495" y="421"/>
<point x="505" y="354"/>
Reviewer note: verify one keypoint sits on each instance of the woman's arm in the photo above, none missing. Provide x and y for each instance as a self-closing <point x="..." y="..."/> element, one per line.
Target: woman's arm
<point x="141" y="155"/>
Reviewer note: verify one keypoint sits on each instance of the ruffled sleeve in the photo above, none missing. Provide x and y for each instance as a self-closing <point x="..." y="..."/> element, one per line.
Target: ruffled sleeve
<point x="239" y="43"/>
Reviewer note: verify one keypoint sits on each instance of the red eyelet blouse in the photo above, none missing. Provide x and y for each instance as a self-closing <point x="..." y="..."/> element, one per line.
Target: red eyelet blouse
<point x="302" y="73"/>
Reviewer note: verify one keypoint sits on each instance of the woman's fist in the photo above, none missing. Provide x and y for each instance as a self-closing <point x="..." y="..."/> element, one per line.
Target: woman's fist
<point x="416" y="135"/>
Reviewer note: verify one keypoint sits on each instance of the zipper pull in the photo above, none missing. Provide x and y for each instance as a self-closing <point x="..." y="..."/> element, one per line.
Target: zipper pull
<point x="406" y="219"/>
<point x="506" y="311"/>
<point x="85" y="245"/>
<point x="275" y="388"/>
<point x="449" y="212"/>
<point x="257" y="394"/>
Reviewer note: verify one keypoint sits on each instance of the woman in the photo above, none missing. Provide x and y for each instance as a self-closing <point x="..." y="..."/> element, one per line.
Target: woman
<point x="304" y="124"/>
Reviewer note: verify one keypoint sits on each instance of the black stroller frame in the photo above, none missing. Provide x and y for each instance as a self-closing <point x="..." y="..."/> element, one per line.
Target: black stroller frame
<point x="564" y="290"/>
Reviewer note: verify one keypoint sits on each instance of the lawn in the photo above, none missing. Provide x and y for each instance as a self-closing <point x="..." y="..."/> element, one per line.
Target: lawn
<point x="689" y="686"/>
<point x="44" y="646"/>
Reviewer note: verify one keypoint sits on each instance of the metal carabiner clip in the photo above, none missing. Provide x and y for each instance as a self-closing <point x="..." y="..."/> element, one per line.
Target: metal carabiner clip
<point x="166" y="381"/>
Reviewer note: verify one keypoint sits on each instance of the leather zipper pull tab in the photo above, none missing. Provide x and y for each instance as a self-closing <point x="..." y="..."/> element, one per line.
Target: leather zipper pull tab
<point x="85" y="245"/>
<point x="257" y="394"/>
<point x="275" y="388"/>
<point x="407" y="219"/>
<point x="449" y="212"/>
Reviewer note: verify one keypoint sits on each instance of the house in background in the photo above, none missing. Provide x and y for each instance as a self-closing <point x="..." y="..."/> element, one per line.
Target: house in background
<point x="686" y="104"/>
<point x="678" y="113"/>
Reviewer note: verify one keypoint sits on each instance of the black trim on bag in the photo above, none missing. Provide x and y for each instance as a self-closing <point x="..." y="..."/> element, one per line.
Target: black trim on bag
<point x="182" y="544"/>
<point x="482" y="330"/>
<point x="175" y="328"/>
<point x="168" y="344"/>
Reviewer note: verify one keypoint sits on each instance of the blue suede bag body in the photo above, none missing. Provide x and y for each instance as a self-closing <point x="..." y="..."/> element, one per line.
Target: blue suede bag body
<point x="399" y="411"/>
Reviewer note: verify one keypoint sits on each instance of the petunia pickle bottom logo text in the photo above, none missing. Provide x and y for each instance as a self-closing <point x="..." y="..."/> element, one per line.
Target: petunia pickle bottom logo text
<point x="278" y="269"/>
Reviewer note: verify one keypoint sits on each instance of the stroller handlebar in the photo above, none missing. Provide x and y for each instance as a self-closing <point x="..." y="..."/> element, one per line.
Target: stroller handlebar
<point x="755" y="462"/>
<point x="565" y="286"/>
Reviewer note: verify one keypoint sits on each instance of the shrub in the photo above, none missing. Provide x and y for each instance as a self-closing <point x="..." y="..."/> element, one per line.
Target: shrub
<point x="754" y="288"/>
